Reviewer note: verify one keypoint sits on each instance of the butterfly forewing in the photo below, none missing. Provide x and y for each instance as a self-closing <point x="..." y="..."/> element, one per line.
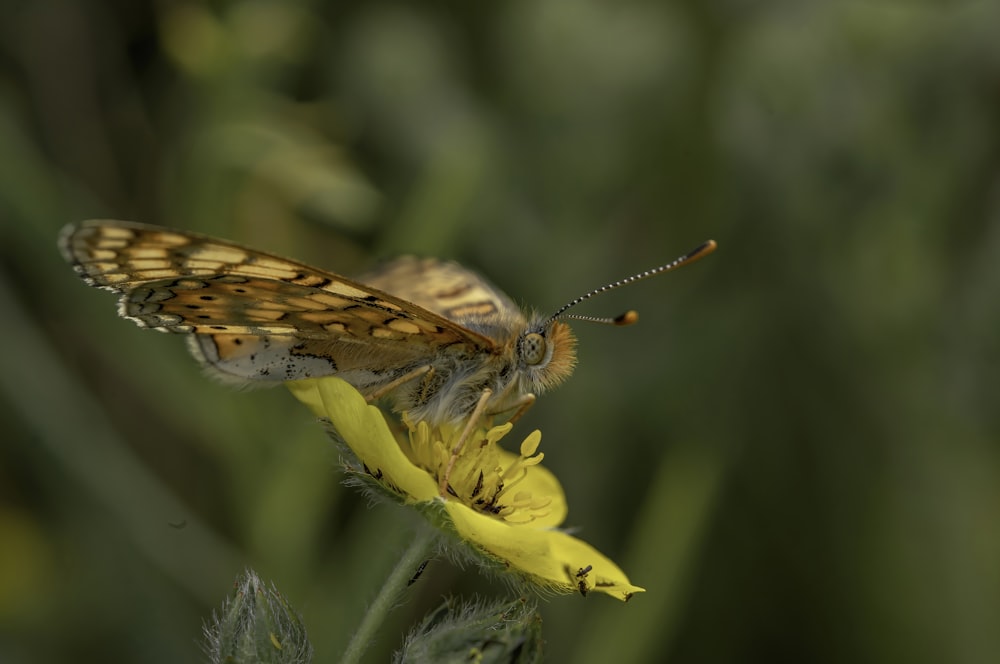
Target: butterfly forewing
<point x="258" y="316"/>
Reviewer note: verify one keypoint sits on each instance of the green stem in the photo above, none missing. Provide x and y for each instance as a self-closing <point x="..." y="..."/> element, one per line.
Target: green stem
<point x="388" y="596"/>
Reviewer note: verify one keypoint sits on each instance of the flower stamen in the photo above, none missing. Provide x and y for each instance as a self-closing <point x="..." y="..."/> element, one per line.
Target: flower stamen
<point x="460" y="443"/>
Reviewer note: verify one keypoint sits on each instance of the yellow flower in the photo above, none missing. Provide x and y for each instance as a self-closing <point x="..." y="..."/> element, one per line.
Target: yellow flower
<point x="504" y="505"/>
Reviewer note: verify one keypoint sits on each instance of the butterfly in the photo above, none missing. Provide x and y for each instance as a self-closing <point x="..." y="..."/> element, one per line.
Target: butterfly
<point x="439" y="340"/>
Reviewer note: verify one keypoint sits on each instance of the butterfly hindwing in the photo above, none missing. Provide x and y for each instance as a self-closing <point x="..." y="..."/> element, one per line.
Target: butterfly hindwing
<point x="444" y="287"/>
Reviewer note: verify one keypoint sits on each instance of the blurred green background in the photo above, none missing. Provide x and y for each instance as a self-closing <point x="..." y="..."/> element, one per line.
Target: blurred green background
<point x="796" y="451"/>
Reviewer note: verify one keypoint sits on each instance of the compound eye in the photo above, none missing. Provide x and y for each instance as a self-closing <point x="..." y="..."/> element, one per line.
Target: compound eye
<point x="533" y="348"/>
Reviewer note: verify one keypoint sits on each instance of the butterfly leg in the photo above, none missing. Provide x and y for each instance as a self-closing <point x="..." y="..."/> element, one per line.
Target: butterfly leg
<point x="477" y="413"/>
<point x="393" y="384"/>
<point x="423" y="392"/>
<point x="523" y="404"/>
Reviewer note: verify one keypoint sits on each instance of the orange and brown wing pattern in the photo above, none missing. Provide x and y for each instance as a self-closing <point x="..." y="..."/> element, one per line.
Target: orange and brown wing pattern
<point x="444" y="287"/>
<point x="185" y="282"/>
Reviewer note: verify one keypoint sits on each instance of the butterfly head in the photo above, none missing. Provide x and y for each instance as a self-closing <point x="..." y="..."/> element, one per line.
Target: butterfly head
<point x="546" y="354"/>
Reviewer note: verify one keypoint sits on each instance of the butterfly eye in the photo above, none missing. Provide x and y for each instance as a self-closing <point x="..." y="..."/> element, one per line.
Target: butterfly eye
<point x="533" y="348"/>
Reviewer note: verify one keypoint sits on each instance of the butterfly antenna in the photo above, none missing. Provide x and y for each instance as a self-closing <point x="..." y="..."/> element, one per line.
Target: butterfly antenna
<point x="630" y="317"/>
<point x="621" y="320"/>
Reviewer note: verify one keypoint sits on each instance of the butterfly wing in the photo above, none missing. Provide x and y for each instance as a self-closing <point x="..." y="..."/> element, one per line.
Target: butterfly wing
<point x="255" y="315"/>
<point x="448" y="289"/>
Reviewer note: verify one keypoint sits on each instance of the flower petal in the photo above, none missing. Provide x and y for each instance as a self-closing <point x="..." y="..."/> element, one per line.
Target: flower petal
<point x="363" y="428"/>
<point x="307" y="391"/>
<point x="604" y="575"/>
<point x="550" y="557"/>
